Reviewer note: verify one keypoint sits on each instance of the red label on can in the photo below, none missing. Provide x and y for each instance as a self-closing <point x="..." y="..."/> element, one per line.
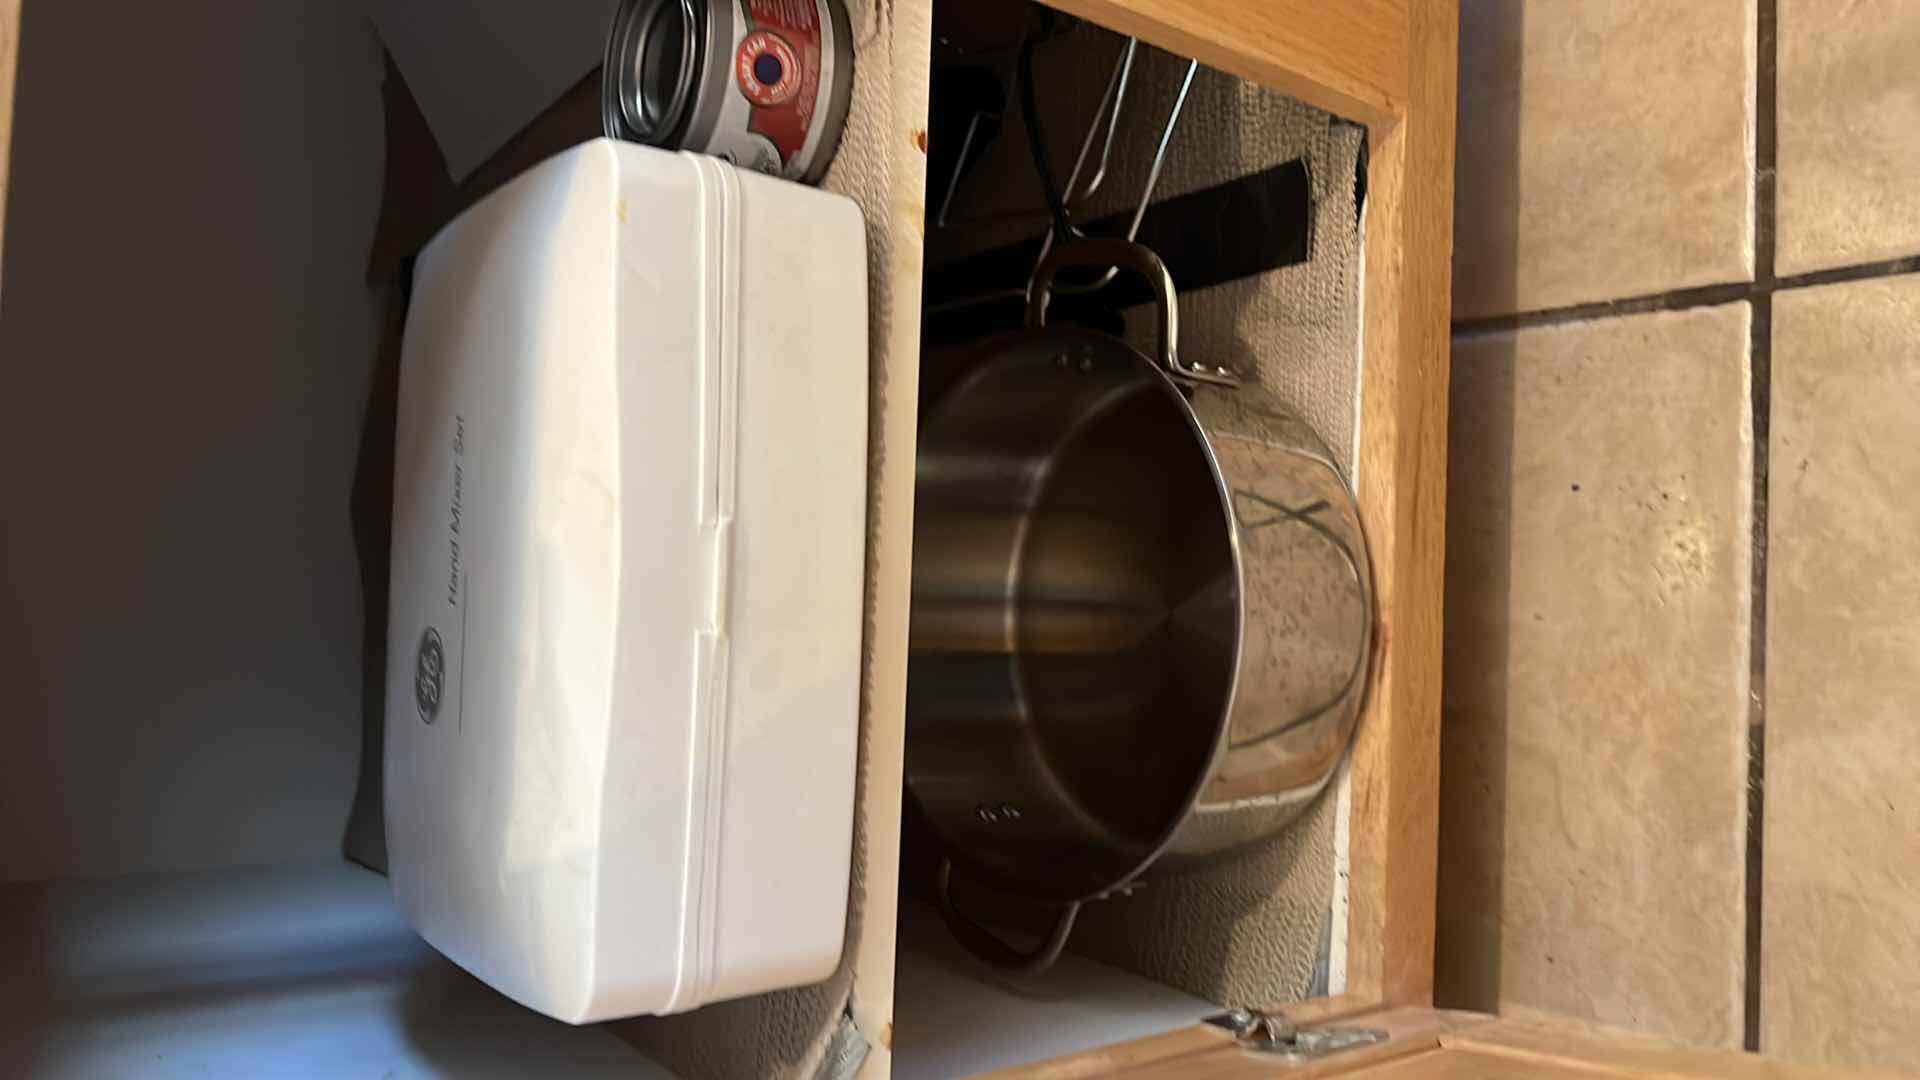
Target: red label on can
<point x="777" y="68"/>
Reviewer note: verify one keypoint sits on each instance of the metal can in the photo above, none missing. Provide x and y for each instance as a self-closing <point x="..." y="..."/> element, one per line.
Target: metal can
<point x="762" y="83"/>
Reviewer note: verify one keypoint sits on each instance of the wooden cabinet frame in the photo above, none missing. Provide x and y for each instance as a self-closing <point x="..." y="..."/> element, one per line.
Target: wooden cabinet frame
<point x="9" y="61"/>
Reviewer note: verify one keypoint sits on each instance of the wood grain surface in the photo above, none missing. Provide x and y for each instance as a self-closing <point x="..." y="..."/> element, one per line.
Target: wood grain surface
<point x="1349" y="58"/>
<point x="1402" y="487"/>
<point x="1184" y="1043"/>
<point x="9" y="64"/>
<point x="1538" y="1045"/>
<point x="1428" y="1044"/>
<point x="1204" y="1052"/>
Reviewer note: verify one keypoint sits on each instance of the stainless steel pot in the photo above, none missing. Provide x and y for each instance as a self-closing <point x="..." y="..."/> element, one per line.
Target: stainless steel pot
<point x="1141" y="614"/>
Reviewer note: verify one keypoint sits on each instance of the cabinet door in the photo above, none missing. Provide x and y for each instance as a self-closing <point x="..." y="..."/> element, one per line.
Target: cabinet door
<point x="1444" y="1064"/>
<point x="1429" y="1044"/>
<point x="9" y="60"/>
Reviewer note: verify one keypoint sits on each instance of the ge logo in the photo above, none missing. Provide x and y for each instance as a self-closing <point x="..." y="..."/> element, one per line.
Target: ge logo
<point x="429" y="674"/>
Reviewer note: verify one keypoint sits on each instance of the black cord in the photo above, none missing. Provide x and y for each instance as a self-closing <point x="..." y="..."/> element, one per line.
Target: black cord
<point x="1036" y="140"/>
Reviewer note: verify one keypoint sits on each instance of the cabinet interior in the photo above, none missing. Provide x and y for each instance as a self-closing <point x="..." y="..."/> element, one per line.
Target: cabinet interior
<point x="193" y="333"/>
<point x="1265" y="926"/>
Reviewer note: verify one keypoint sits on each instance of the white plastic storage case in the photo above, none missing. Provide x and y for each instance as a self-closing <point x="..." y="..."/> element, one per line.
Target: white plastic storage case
<point x="628" y="548"/>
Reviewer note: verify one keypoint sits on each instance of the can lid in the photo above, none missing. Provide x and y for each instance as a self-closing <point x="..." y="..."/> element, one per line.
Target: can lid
<point x="652" y="65"/>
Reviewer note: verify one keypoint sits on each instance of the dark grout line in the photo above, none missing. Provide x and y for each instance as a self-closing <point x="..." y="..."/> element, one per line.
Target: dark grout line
<point x="1766" y="142"/>
<point x="1760" y="375"/>
<point x="1761" y="383"/>
<point x="1884" y="268"/>
<point x="1695" y="297"/>
<point x="1676" y="300"/>
<point x="1756" y="843"/>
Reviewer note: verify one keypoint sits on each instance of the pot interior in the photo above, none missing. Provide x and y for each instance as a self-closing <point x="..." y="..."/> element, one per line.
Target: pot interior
<point x="1075" y="618"/>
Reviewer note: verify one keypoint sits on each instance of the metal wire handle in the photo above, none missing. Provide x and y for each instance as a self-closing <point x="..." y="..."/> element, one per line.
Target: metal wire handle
<point x="1109" y="108"/>
<point x="988" y="947"/>
<point x="1309" y="515"/>
<point x="1118" y="255"/>
<point x="1146" y="193"/>
<point x="1116" y="90"/>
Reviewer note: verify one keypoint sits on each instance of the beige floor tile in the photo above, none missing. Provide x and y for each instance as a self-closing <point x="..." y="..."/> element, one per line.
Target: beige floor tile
<point x="1840" y="910"/>
<point x="1849" y="132"/>
<point x="1605" y="150"/>
<point x="1594" y="729"/>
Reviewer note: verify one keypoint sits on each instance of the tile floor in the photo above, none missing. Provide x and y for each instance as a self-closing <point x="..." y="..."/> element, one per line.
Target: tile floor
<point x="1597" y="618"/>
<point x="1683" y="594"/>
<point x="1604" y="150"/>
<point x="1849" y="102"/>
<point x="1840" y="978"/>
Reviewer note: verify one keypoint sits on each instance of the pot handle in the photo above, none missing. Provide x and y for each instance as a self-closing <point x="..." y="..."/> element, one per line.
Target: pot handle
<point x="1127" y="255"/>
<point x="988" y="948"/>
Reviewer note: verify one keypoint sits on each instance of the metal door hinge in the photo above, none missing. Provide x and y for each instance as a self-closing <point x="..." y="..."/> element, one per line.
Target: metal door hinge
<point x="1275" y="1034"/>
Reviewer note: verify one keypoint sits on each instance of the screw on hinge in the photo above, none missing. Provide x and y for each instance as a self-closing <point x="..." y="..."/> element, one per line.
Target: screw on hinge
<point x="1249" y="1025"/>
<point x="1275" y="1034"/>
